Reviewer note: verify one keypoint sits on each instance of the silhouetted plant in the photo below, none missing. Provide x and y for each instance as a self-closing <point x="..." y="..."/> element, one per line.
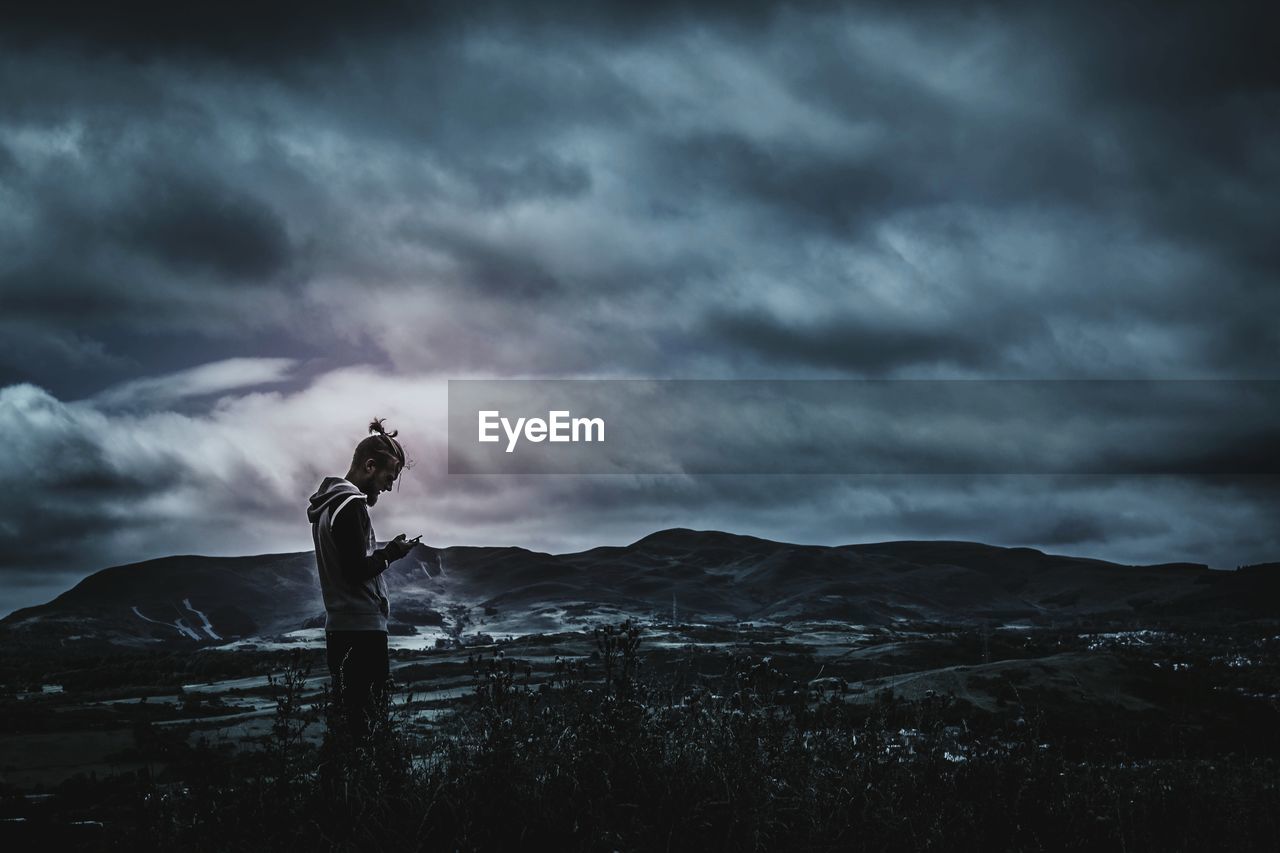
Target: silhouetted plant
<point x="618" y="646"/>
<point x="286" y="748"/>
<point x="600" y="759"/>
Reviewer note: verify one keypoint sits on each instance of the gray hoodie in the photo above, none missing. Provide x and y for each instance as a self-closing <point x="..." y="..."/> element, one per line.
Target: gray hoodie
<point x="350" y="605"/>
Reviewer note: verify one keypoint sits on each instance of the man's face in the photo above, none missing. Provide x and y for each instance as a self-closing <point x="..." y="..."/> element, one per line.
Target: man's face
<point x="381" y="480"/>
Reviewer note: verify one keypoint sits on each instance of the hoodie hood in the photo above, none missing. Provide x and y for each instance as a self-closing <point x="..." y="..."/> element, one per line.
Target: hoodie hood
<point x="332" y="490"/>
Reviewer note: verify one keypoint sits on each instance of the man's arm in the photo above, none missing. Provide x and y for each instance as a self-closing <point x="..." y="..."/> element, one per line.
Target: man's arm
<point x="349" y="538"/>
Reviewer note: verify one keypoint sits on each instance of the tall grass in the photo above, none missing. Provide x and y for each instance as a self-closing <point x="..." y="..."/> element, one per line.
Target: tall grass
<point x="598" y="757"/>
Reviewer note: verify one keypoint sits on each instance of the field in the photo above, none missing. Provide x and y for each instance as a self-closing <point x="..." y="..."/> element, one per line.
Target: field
<point x="730" y="736"/>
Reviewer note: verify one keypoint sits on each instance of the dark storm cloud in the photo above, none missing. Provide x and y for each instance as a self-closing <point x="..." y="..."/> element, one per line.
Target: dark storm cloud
<point x="830" y="190"/>
<point x="537" y="175"/>
<point x="236" y="30"/>
<point x="8" y="163"/>
<point x="1161" y="110"/>
<point x="27" y="291"/>
<point x="187" y="221"/>
<point x="81" y="486"/>
<point x="1167" y="53"/>
<point x="854" y="344"/>
<point x="194" y="226"/>
<point x="139" y="239"/>
<point x="117" y="230"/>
<point x="476" y="111"/>
<point x="681" y="189"/>
<point x="1194" y="89"/>
<point x="483" y="266"/>
<point x="912" y="163"/>
<point x="275" y="32"/>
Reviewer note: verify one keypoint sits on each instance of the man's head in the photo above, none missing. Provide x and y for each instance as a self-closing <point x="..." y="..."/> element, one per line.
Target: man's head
<point x="376" y="462"/>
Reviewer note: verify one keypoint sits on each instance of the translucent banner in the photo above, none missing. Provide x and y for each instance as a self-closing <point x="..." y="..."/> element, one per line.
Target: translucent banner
<point x="640" y="426"/>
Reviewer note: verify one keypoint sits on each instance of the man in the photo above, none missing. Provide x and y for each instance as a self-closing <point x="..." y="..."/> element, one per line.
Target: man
<point x="351" y="582"/>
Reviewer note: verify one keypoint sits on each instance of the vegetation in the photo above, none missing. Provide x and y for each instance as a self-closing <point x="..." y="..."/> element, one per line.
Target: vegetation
<point x="603" y="755"/>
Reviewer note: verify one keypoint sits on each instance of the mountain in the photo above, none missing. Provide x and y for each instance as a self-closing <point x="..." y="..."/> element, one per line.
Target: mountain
<point x="706" y="575"/>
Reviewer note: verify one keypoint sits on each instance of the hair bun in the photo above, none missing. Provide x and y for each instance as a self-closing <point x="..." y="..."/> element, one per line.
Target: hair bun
<point x="376" y="426"/>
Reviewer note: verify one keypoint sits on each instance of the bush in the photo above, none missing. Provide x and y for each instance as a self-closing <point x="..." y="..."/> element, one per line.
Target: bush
<point x="598" y="758"/>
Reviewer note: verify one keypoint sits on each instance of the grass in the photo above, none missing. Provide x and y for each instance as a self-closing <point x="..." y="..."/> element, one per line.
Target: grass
<point x="602" y="757"/>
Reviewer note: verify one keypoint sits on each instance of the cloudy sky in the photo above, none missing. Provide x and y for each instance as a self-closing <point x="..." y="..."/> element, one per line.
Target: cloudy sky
<point x="227" y="241"/>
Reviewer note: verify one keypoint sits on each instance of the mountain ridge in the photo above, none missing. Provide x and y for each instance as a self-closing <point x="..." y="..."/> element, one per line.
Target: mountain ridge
<point x="709" y="575"/>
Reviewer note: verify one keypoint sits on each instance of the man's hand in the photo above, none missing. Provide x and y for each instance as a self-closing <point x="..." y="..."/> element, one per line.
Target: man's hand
<point x="398" y="547"/>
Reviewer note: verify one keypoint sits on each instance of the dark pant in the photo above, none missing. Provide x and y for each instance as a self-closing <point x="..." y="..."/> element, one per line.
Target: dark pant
<point x="359" y="670"/>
